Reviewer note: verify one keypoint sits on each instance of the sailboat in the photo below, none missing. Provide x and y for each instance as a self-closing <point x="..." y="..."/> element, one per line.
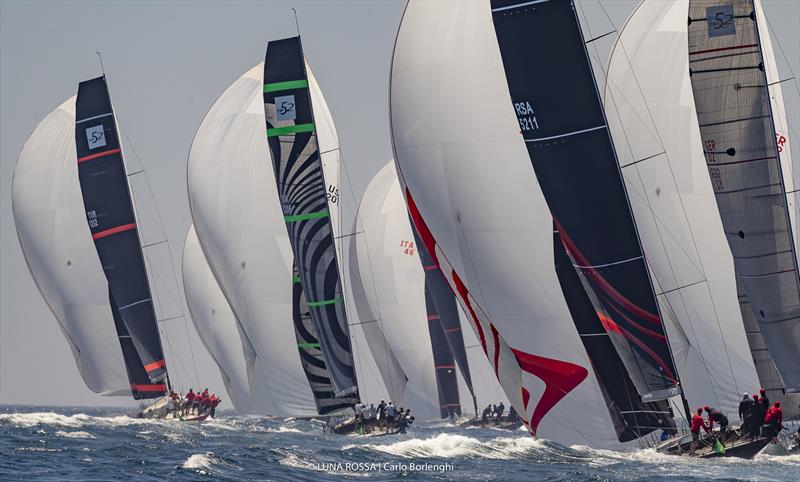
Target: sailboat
<point x="232" y="181"/>
<point x="474" y="198"/>
<point x="215" y="323"/>
<point x="78" y="231"/>
<point x="667" y="174"/>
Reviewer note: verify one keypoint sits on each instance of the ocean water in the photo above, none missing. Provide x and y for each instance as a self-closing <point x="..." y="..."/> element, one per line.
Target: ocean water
<point x="60" y="444"/>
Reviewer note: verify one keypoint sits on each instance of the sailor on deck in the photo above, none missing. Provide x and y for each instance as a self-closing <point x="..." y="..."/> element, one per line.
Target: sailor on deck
<point x="500" y="409"/>
<point x="773" y="420"/>
<point x="715" y="415"/>
<point x="746" y="412"/>
<point x="697" y="424"/>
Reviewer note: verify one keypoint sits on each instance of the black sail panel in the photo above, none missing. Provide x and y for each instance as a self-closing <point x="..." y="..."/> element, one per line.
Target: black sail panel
<point x="444" y="363"/>
<point x="631" y="417"/>
<point x="301" y="188"/>
<point x="112" y="221"/>
<point x="732" y="99"/>
<point x="444" y="302"/>
<point x="563" y="125"/>
<point x="311" y="354"/>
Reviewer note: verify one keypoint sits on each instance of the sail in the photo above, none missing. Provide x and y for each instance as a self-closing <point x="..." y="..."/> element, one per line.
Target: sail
<point x="369" y="324"/>
<point x="650" y="109"/>
<point x="737" y="130"/>
<point x="230" y="183"/>
<point x="564" y="129"/>
<point x="444" y="363"/>
<point x="215" y="323"/>
<point x="446" y="308"/>
<point x="302" y="193"/>
<point x="58" y="248"/>
<point x="470" y="185"/>
<point x="631" y="417"/>
<point x="394" y="284"/>
<point x="311" y="354"/>
<point x="112" y="222"/>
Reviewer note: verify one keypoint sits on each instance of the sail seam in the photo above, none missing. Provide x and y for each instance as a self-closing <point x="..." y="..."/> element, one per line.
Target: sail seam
<point x="524" y="4"/>
<point x="95" y="117"/>
<point x="567" y="134"/>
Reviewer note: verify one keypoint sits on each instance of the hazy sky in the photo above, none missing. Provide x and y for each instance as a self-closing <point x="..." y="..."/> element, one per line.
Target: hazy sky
<point x="166" y="63"/>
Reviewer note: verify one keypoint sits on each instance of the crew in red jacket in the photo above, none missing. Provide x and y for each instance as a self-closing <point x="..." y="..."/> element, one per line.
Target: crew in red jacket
<point x="697" y="424"/>
<point x="773" y="420"/>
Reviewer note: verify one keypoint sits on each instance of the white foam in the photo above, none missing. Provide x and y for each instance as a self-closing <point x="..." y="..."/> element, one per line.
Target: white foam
<point x="293" y="460"/>
<point x="201" y="463"/>
<point x="73" y="421"/>
<point x="76" y="434"/>
<point x="452" y="446"/>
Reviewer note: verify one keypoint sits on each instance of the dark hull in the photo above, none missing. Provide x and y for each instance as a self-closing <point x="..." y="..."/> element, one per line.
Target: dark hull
<point x="503" y="424"/>
<point x="736" y="446"/>
<point x="370" y="428"/>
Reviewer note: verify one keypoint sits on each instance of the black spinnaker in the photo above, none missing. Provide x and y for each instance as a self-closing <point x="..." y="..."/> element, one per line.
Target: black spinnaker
<point x="563" y="125"/>
<point x="301" y="190"/>
<point x="444" y="363"/>
<point x="112" y="222"/>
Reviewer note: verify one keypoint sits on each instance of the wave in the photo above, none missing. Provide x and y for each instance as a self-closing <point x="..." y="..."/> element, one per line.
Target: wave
<point x="306" y="462"/>
<point x="76" y="434"/>
<point x="453" y="446"/>
<point x="201" y="463"/>
<point x="32" y="419"/>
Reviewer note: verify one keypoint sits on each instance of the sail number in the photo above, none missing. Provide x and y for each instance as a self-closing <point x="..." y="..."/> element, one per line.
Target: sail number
<point x="525" y="116"/>
<point x="720" y="20"/>
<point x="91" y="216"/>
<point x="333" y="194"/>
<point x="781" y="139"/>
<point x="408" y="247"/>
<point x="710" y="148"/>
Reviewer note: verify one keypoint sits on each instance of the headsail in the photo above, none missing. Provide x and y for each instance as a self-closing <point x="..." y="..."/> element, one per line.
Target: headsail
<point x="565" y="131"/>
<point x="58" y="248"/>
<point x="112" y="222"/>
<point x="215" y="322"/>
<point x="732" y="98"/>
<point x="300" y="180"/>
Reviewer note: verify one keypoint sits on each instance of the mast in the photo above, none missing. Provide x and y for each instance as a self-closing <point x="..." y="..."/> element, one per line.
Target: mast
<point x="737" y="128"/>
<point x="573" y="156"/>
<point x="112" y="222"/>
<point x="301" y="188"/>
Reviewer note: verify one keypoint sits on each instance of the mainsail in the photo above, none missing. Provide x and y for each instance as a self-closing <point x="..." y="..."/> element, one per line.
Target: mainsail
<point x="444" y="363"/>
<point x="565" y="131"/>
<point x="215" y="322"/>
<point x="732" y="98"/>
<point x="290" y="131"/>
<point x="112" y="222"/>
<point x="58" y="248"/>
<point x="650" y="109"/>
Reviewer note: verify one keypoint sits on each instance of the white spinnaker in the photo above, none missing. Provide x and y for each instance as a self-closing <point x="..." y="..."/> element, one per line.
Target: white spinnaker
<point x="240" y="225"/>
<point x="487" y="389"/>
<point x="58" y="248"/>
<point x="394" y="283"/>
<point x="460" y="154"/>
<point x="651" y="112"/>
<point x="215" y="322"/>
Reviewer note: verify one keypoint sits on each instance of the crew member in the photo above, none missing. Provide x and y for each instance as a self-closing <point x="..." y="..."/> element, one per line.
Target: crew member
<point x="746" y="413"/>
<point x="500" y="409"/>
<point x="773" y="421"/>
<point x="697" y="424"/>
<point x="715" y="415"/>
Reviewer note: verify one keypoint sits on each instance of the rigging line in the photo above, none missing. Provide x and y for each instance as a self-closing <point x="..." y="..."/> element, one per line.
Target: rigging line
<point x="348" y="235"/>
<point x="683" y="208"/>
<point x="170" y="318"/>
<point x="642" y="160"/>
<point x="601" y="36"/>
<point x="783" y="53"/>
<point x="780" y="81"/>
<point x="130" y="174"/>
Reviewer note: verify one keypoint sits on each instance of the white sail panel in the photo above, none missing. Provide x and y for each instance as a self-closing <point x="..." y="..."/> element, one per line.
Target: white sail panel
<point x="240" y="225"/>
<point x="215" y="322"/>
<point x="396" y="289"/>
<point x="650" y="109"/>
<point x="459" y="152"/>
<point x="55" y="239"/>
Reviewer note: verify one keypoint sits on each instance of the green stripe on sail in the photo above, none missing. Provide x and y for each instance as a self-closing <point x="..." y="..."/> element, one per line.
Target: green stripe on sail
<point x="308" y="345"/>
<point x="295" y="279"/>
<point x="287" y="85"/>
<point x="303" y="217"/>
<point x="279" y="131"/>
<point x="324" y="302"/>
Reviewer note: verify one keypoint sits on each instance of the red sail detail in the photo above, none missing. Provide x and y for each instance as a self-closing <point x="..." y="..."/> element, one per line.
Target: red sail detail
<point x="99" y="154"/>
<point x="118" y="229"/>
<point x="155" y="365"/>
<point x="559" y="378"/>
<point x="526" y="397"/>
<point x="462" y="291"/>
<point x="496" y="337"/>
<point x="422" y="228"/>
<point x="603" y="284"/>
<point x="159" y="387"/>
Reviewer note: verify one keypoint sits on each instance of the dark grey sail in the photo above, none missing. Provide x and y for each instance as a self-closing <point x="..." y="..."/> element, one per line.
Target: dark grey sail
<point x="631" y="417"/>
<point x="563" y="126"/>
<point x="112" y="222"/>
<point x="732" y="99"/>
<point x="301" y="190"/>
<point x="311" y="354"/>
<point x="444" y="363"/>
<point x="444" y="302"/>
